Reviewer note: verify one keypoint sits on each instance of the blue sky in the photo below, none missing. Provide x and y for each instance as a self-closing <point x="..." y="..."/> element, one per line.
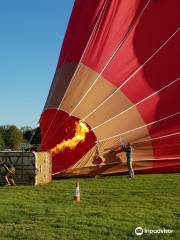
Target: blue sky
<point x="31" y="34"/>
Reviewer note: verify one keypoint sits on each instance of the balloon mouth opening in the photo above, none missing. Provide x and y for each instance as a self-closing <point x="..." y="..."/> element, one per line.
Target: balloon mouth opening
<point x="64" y="130"/>
<point x="81" y="130"/>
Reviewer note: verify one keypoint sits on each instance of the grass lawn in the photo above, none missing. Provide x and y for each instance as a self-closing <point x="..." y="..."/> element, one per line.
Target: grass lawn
<point x="110" y="208"/>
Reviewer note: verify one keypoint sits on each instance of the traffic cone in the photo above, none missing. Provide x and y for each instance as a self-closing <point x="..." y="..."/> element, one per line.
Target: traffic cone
<point x="77" y="193"/>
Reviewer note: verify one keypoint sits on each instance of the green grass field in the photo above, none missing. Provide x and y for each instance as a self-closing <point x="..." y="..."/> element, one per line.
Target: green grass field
<point x="110" y="208"/>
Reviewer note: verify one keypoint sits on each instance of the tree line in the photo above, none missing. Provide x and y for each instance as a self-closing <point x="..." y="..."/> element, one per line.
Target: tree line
<point x="12" y="137"/>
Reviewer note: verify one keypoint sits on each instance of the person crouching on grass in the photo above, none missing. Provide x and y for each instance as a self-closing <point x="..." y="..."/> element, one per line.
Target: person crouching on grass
<point x="9" y="173"/>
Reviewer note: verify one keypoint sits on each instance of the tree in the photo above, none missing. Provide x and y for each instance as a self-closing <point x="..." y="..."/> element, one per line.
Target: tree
<point x="1" y="140"/>
<point x="27" y="133"/>
<point x="37" y="136"/>
<point x="32" y="138"/>
<point x="25" y="129"/>
<point x="31" y="135"/>
<point x="12" y="137"/>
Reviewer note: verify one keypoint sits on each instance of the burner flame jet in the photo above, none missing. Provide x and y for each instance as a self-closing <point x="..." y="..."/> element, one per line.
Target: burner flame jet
<point x="81" y="129"/>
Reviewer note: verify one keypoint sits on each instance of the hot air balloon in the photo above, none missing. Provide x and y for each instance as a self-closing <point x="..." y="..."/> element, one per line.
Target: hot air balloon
<point x="118" y="78"/>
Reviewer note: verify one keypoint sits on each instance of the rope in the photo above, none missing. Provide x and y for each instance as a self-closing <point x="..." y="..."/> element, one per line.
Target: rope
<point x="119" y="45"/>
<point x="101" y="104"/>
<point x="78" y="66"/>
<point x="32" y="135"/>
<point x="99" y="20"/>
<point x="151" y="95"/>
<point x="156" y="138"/>
<point x="134" y="160"/>
<point x="132" y="130"/>
<point x="160" y="159"/>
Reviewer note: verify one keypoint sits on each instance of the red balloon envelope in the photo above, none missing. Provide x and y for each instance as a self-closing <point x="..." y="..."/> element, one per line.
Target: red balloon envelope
<point x="118" y="72"/>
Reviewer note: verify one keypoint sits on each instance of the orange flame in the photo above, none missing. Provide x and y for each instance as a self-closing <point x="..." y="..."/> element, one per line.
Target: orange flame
<point x="80" y="135"/>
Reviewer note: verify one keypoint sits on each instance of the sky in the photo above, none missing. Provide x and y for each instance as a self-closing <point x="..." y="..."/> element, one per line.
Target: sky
<point x="31" y="34"/>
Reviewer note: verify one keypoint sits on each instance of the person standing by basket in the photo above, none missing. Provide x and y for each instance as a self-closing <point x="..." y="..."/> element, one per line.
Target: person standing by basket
<point x="128" y="149"/>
